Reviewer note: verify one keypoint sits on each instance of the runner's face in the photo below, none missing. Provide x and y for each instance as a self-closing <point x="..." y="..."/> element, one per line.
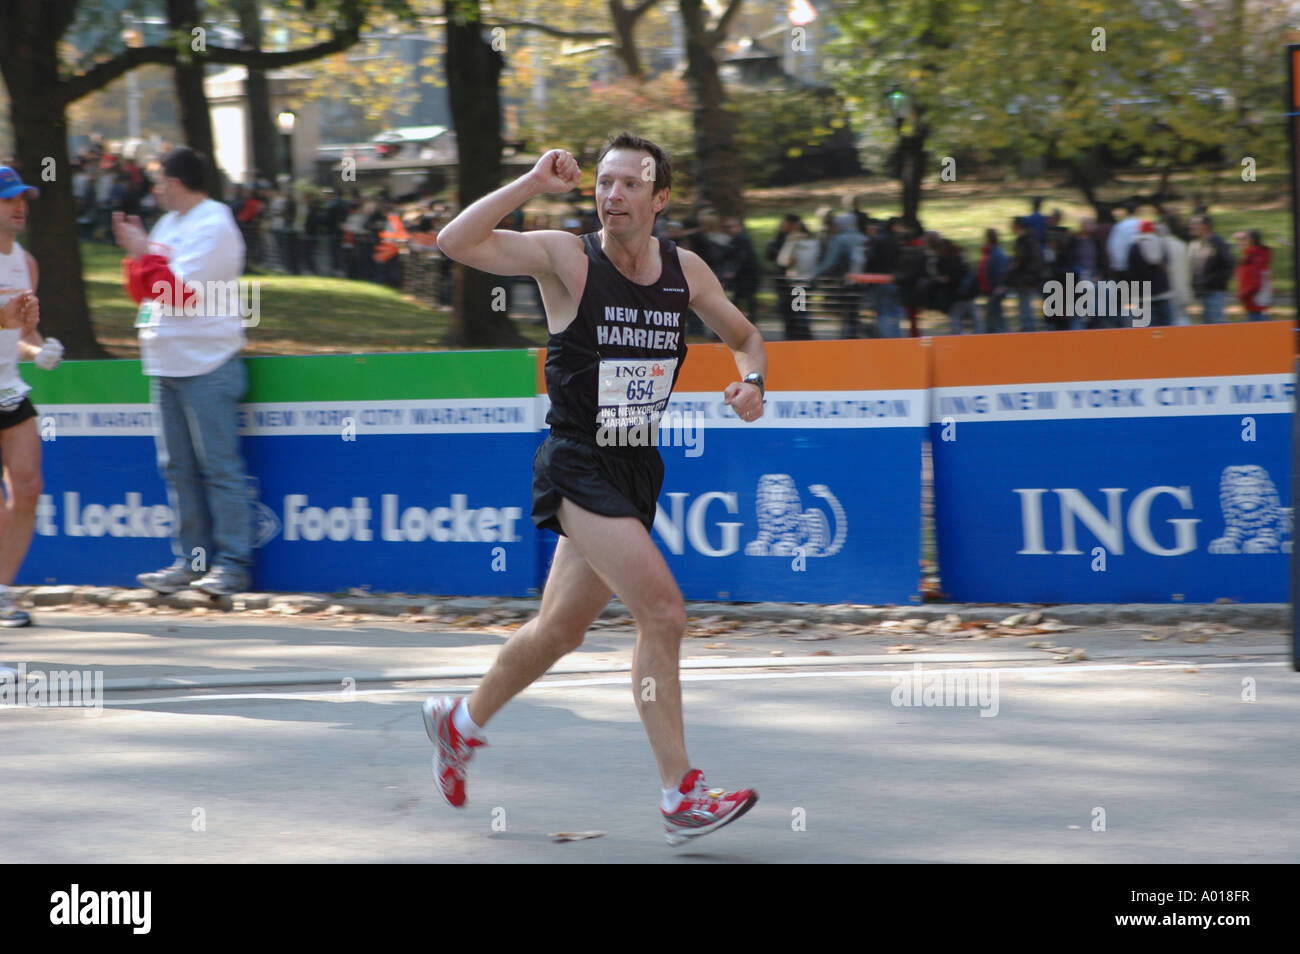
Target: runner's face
<point x="625" y="197"/>
<point x="13" y="214"/>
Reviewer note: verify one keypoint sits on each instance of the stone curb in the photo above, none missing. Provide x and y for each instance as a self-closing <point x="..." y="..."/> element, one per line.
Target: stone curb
<point x="1244" y="615"/>
<point x="1169" y="657"/>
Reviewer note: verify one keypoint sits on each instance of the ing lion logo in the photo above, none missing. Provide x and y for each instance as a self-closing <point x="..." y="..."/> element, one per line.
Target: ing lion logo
<point x="266" y="525"/>
<point x="1254" y="519"/>
<point x="785" y="528"/>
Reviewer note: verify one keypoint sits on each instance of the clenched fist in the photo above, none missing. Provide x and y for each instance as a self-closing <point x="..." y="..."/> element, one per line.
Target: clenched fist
<point x="557" y="172"/>
<point x="22" y="311"/>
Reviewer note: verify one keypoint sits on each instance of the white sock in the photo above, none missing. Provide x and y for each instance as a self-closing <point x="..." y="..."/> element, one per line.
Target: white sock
<point x="466" y="726"/>
<point x="672" y="799"/>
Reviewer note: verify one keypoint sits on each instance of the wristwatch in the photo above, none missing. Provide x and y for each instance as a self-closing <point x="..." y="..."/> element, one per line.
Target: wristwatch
<point x="755" y="378"/>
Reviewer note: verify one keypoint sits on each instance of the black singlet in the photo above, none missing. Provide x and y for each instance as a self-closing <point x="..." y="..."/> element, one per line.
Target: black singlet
<point x="615" y="365"/>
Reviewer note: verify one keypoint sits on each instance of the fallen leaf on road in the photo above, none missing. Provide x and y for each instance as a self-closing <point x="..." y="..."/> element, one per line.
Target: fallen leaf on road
<point x="1194" y="638"/>
<point x="1060" y="650"/>
<point x="716" y="646"/>
<point x="1148" y="662"/>
<point x="575" y="835"/>
<point x="904" y="648"/>
<point x="776" y="652"/>
<point x="822" y="652"/>
<point x="1191" y="669"/>
<point x="1155" y="637"/>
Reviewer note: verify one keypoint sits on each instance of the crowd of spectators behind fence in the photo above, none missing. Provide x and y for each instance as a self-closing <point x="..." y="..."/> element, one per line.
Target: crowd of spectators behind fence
<point x="903" y="271"/>
<point x="303" y="229"/>
<point x="296" y="228"/>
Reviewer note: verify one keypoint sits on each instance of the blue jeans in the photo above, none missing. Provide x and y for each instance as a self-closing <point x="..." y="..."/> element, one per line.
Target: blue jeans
<point x="1162" y="312"/>
<point x="965" y="308"/>
<point x="198" y="456"/>
<point x="993" y="314"/>
<point x="888" y="310"/>
<point x="1212" y="306"/>
<point x="1026" y="296"/>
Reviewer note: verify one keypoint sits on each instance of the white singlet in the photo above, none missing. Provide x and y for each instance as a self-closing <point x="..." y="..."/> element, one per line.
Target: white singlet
<point x="14" y="278"/>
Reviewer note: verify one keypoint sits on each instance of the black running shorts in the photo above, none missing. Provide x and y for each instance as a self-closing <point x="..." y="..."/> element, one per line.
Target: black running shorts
<point x="613" y="483"/>
<point x="14" y="416"/>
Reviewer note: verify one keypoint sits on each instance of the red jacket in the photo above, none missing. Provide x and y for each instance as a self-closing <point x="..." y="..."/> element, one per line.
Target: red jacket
<point x="1250" y="276"/>
<point x="142" y="277"/>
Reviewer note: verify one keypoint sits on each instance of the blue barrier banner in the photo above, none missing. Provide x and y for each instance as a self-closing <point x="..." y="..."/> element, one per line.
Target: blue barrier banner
<point x="1129" y="465"/>
<point x="403" y="473"/>
<point x="819" y="501"/>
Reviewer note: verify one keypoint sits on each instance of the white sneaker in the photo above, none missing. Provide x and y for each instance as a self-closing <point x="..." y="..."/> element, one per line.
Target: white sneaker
<point x="10" y="614"/>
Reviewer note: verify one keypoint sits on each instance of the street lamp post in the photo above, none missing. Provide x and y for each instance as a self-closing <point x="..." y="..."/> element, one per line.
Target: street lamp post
<point x="898" y="105"/>
<point x="909" y="148"/>
<point x="285" y="121"/>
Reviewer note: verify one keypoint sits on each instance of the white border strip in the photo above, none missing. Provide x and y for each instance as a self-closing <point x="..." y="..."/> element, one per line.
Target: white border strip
<point x="310" y="418"/>
<point x="1098" y="400"/>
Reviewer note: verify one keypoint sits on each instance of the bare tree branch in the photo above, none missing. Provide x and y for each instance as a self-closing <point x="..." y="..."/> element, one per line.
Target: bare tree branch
<point x="719" y="32"/>
<point x="552" y="31"/>
<point x="99" y="76"/>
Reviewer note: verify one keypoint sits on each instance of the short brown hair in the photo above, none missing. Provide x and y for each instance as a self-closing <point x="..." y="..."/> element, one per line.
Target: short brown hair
<point x="625" y="140"/>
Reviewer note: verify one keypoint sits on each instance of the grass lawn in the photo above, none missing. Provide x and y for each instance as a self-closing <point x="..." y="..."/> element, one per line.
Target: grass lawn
<point x="298" y="314"/>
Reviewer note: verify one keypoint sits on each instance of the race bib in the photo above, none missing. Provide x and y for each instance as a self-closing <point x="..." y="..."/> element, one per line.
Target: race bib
<point x="633" y="392"/>
<point x="149" y="314"/>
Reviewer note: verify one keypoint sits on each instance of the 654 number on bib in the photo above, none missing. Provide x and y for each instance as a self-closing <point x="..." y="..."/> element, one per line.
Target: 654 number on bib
<point x="633" y="391"/>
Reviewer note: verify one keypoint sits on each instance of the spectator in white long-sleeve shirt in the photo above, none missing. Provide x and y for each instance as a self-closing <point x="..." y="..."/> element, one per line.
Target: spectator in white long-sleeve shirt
<point x="197" y="374"/>
<point x="1121" y="239"/>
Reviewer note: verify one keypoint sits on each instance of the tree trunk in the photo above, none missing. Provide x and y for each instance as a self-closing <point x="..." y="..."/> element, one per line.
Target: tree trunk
<point x="718" y="173"/>
<point x="1084" y="184"/>
<point x="196" y="120"/>
<point x="624" y="22"/>
<point x="912" y="170"/>
<point x="261" y="127"/>
<point x="473" y="75"/>
<point x="29" y="62"/>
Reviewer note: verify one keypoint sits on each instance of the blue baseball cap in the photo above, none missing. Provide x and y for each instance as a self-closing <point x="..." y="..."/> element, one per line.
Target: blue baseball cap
<point x="11" y="184"/>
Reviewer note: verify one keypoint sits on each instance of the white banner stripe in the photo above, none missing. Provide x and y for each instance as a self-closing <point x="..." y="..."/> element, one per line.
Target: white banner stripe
<point x="1096" y="400"/>
<point x="305" y="418"/>
<point x="796" y="409"/>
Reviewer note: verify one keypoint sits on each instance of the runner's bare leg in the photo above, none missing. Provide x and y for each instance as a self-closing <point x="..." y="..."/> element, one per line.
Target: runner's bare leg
<point x="620" y="550"/>
<point x="573" y="598"/>
<point x="20" y="449"/>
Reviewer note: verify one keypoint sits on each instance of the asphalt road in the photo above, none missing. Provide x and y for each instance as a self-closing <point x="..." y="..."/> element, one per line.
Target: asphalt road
<point x="1116" y="758"/>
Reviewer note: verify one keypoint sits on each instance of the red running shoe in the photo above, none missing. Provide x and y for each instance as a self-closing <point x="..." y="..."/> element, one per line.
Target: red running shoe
<point x="704" y="809"/>
<point x="454" y="749"/>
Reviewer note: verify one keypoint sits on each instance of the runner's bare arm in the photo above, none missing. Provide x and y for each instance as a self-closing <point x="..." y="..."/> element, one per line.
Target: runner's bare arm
<point x="30" y="344"/>
<point x="710" y="302"/>
<point x="471" y="239"/>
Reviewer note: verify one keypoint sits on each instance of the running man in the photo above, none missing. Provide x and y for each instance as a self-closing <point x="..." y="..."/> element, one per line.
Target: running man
<point x="20" y="441"/>
<point x="614" y="305"/>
